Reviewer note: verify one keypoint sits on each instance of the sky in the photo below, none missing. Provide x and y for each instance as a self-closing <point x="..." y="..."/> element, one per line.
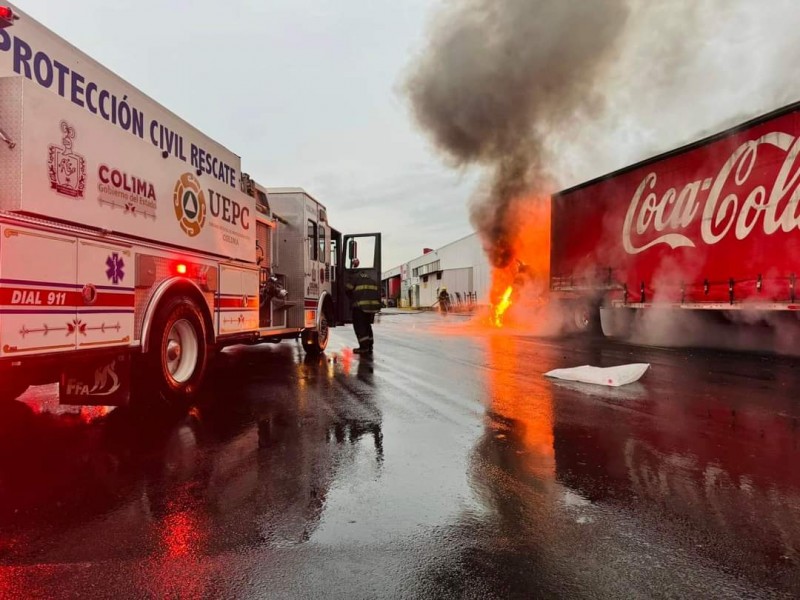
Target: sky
<point x="310" y="92"/>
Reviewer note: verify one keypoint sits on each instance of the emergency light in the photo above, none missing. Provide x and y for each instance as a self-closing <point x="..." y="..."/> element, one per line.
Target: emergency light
<point x="181" y="268"/>
<point x="7" y="16"/>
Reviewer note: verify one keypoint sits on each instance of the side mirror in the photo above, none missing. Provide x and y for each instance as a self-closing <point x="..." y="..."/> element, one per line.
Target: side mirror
<point x="352" y="249"/>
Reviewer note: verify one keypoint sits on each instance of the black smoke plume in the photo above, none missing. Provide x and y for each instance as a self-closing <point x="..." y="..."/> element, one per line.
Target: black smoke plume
<point x="497" y="77"/>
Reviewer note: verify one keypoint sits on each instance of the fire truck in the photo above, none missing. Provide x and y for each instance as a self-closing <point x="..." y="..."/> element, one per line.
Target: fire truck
<point x="711" y="228"/>
<point x="132" y="246"/>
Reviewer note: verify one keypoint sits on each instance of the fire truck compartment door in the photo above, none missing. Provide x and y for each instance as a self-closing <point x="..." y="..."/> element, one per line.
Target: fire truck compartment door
<point x="39" y="294"/>
<point x="366" y="247"/>
<point x="105" y="294"/>
<point x="237" y="303"/>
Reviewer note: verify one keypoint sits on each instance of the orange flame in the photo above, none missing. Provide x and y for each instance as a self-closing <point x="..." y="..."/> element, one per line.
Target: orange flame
<point x="499" y="309"/>
<point x="527" y="276"/>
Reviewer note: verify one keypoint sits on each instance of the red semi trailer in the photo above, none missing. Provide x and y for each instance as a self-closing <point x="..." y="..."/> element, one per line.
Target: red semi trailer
<point x="714" y="225"/>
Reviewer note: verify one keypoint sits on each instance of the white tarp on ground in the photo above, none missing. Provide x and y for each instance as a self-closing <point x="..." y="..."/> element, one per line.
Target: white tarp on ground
<point x="612" y="376"/>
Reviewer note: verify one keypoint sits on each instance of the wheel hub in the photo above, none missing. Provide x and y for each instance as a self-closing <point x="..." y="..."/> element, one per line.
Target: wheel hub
<point x="173" y="350"/>
<point x="181" y="351"/>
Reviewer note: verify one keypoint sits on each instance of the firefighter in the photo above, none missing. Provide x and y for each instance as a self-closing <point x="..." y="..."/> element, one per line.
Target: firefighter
<point x="365" y="301"/>
<point x="444" y="300"/>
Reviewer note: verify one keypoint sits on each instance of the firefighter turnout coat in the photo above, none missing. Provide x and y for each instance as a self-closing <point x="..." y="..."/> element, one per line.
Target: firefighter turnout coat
<point x="364" y="292"/>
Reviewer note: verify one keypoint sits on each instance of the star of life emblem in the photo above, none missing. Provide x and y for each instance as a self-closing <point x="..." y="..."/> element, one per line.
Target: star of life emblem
<point x="66" y="168"/>
<point x="115" y="271"/>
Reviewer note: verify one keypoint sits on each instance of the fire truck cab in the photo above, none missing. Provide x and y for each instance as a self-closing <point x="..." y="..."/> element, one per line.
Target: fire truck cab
<point x="302" y="266"/>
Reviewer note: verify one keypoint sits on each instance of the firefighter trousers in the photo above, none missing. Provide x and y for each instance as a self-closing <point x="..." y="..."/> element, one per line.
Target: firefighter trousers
<point x="362" y="325"/>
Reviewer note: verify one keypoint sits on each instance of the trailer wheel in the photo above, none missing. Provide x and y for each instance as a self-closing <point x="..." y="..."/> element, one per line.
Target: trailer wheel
<point x="178" y="353"/>
<point x="11" y="390"/>
<point x="582" y="319"/>
<point x="316" y="340"/>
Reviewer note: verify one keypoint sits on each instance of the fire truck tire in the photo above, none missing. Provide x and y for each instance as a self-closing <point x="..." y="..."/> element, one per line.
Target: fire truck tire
<point x="11" y="390"/>
<point x="178" y="353"/>
<point x="315" y="341"/>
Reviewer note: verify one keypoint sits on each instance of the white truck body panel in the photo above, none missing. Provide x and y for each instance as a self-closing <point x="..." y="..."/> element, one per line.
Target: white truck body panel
<point x="38" y="308"/>
<point x="306" y="264"/>
<point x="114" y="176"/>
<point x="238" y="299"/>
<point x="42" y="303"/>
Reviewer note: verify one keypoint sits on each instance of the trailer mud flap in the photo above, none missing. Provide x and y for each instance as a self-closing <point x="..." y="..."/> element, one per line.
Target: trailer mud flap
<point x="102" y="382"/>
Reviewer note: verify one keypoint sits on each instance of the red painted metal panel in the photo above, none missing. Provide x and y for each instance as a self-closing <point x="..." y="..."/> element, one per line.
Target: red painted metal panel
<point x="394" y="287"/>
<point x="691" y="224"/>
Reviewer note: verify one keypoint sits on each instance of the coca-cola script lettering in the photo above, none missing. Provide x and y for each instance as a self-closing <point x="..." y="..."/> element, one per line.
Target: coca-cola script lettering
<point x="730" y="203"/>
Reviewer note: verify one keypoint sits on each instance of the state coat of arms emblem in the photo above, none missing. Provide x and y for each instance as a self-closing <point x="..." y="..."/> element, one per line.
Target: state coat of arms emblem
<point x="66" y="168"/>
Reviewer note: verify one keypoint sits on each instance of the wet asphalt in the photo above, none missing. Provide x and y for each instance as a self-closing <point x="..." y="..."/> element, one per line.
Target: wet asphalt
<point x="445" y="466"/>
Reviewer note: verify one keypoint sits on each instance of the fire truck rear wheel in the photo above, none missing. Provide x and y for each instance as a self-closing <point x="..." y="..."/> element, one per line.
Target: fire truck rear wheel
<point x="11" y="390"/>
<point x="315" y="341"/>
<point x="178" y="353"/>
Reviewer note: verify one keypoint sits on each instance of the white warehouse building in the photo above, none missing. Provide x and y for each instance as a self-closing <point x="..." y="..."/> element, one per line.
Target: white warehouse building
<point x="460" y="266"/>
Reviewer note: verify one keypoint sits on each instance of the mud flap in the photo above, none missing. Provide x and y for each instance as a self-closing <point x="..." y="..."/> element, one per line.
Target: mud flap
<point x="104" y="381"/>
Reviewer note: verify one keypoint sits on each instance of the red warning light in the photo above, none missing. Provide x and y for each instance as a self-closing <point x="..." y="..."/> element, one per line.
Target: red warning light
<point x="181" y="268"/>
<point x="6" y="13"/>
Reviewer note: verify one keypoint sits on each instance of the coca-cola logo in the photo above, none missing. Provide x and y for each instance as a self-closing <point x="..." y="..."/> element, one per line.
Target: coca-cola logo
<point x="731" y="203"/>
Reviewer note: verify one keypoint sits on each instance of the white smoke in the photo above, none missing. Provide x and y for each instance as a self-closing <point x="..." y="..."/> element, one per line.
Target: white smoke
<point x="684" y="70"/>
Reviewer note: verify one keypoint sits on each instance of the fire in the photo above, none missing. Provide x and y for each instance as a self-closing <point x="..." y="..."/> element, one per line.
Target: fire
<point x="525" y="280"/>
<point x="499" y="309"/>
<point x="529" y="415"/>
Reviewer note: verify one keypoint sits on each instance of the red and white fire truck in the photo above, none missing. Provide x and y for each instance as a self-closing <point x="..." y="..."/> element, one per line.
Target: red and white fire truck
<point x="712" y="226"/>
<point x="131" y="241"/>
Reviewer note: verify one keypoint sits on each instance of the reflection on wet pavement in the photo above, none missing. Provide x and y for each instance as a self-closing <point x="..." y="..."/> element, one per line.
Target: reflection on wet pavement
<point x="446" y="466"/>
